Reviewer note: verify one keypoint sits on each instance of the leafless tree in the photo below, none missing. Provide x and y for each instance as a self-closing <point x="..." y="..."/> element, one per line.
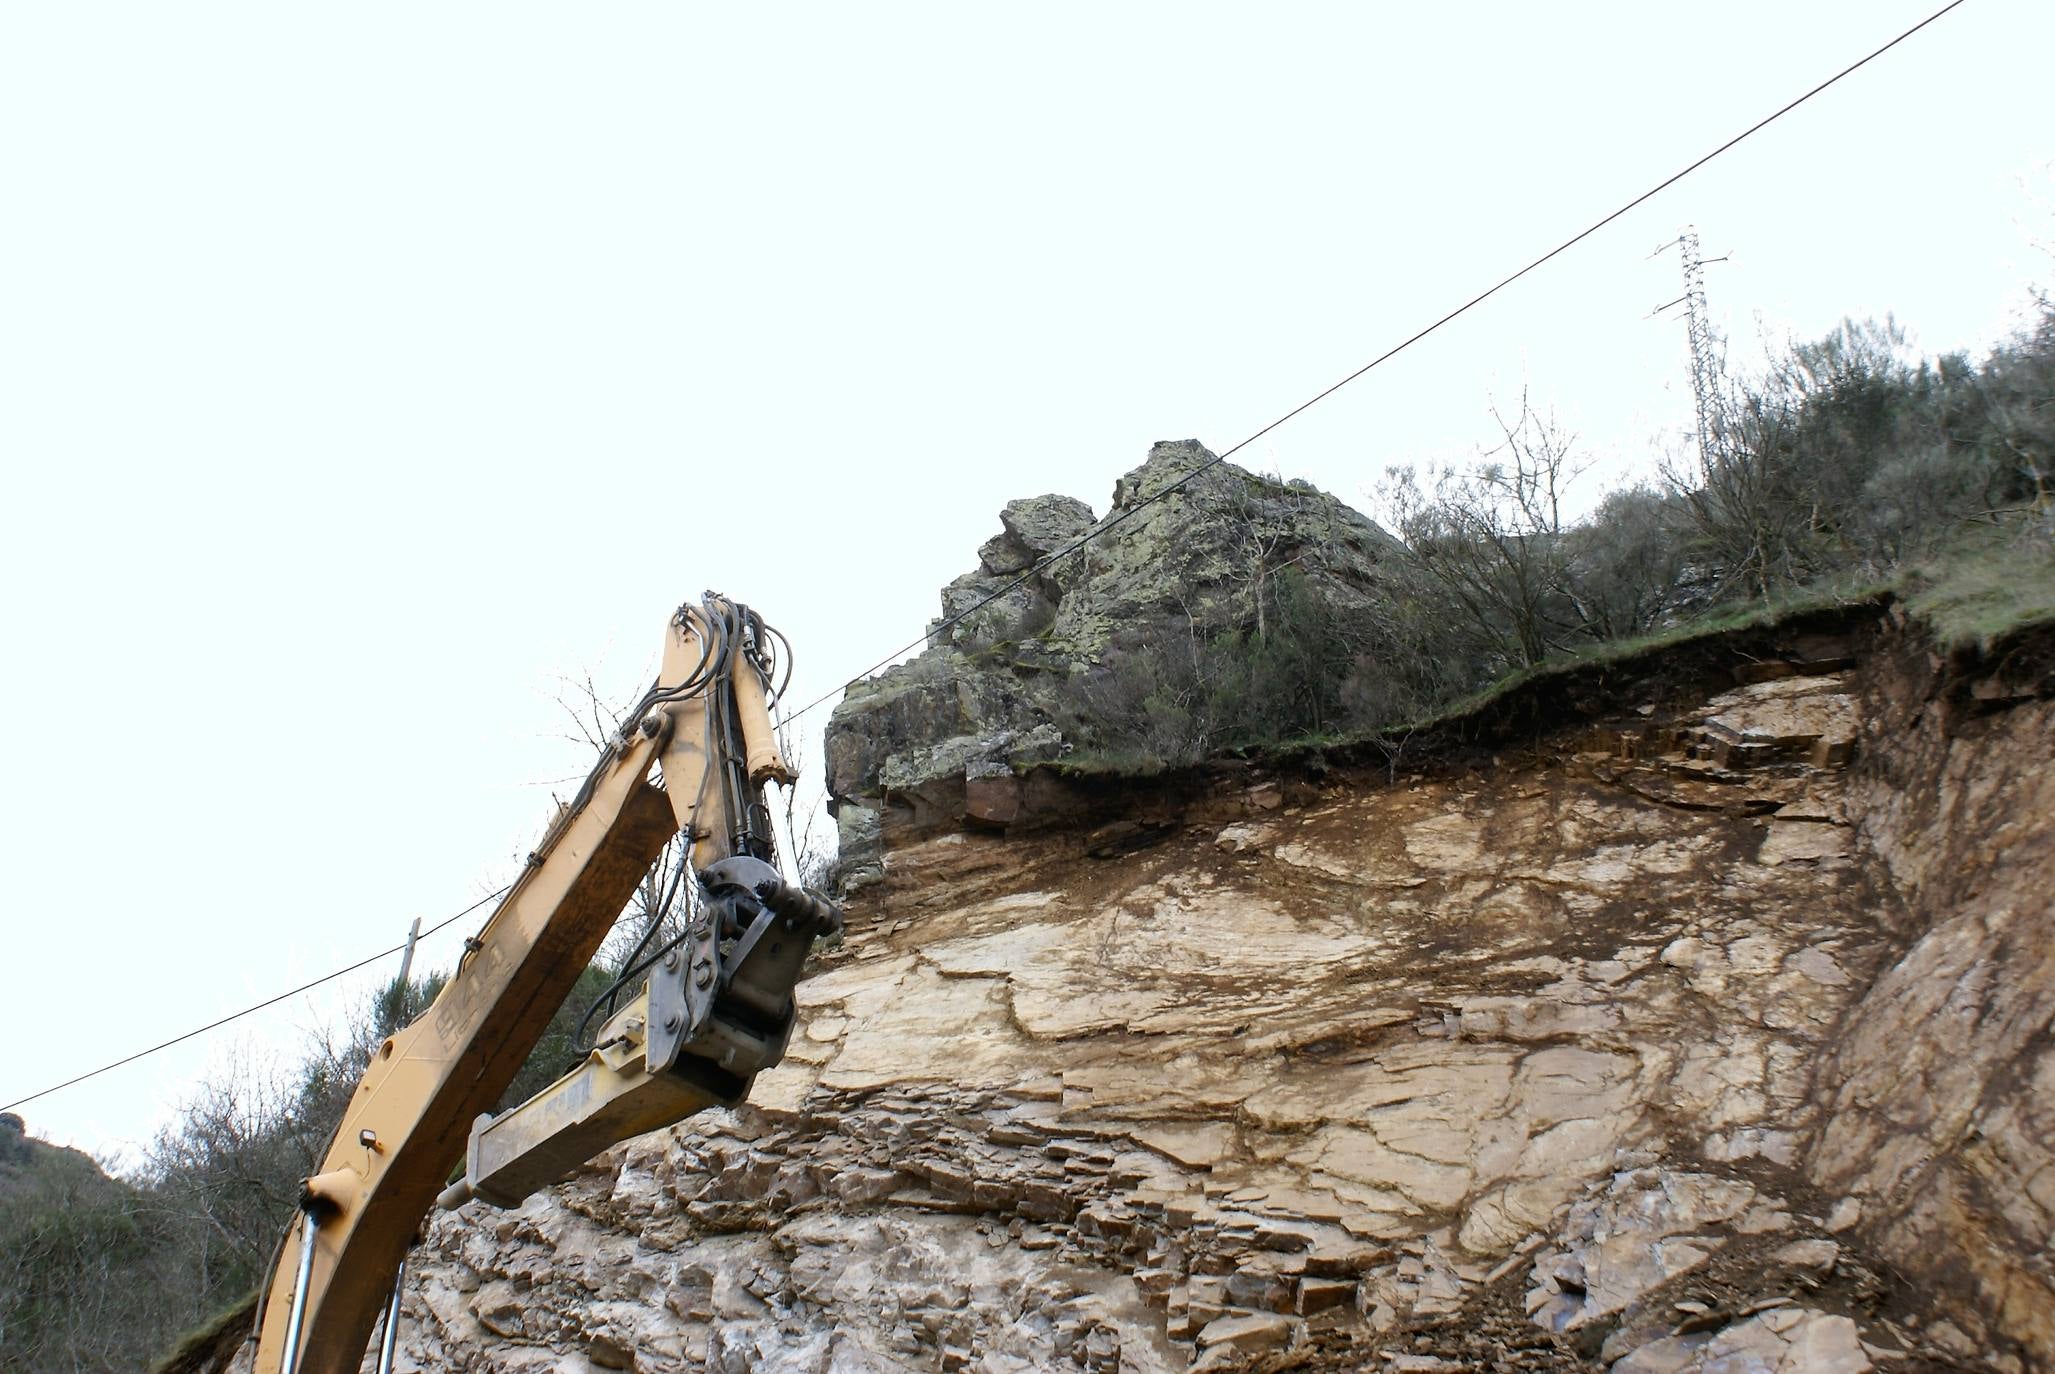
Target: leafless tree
<point x="1490" y="535"/>
<point x="809" y="846"/>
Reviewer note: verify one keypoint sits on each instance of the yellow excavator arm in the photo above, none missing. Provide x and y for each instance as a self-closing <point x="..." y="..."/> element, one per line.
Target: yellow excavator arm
<point x="716" y="1009"/>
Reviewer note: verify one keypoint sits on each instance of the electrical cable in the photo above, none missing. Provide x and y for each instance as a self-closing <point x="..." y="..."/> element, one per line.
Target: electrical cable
<point x="1049" y="559"/>
<point x="269" y="1002"/>
<point x="712" y="659"/>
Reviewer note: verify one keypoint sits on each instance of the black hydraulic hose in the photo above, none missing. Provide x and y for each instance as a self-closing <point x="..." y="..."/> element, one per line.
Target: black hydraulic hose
<point x="610" y="995"/>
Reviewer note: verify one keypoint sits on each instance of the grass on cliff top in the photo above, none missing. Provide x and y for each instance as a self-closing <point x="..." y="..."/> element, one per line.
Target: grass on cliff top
<point x="1985" y="586"/>
<point x="202" y="1347"/>
<point x="1723" y="620"/>
<point x="1976" y="592"/>
<point x="1750" y="615"/>
<point x="1984" y="589"/>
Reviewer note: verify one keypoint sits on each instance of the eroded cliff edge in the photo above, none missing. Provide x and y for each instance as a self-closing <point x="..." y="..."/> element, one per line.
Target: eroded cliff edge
<point x="1694" y="1013"/>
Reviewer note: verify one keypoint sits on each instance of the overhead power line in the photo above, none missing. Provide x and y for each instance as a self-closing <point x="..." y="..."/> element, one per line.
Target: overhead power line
<point x="1400" y="347"/>
<point x="1129" y="514"/>
<point x="268" y="1002"/>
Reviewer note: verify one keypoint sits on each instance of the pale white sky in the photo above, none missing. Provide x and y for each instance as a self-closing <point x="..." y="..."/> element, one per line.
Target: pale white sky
<point x="363" y="371"/>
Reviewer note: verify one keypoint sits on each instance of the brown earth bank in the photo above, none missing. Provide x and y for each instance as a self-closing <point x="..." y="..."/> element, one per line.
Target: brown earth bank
<point x="1688" y="1014"/>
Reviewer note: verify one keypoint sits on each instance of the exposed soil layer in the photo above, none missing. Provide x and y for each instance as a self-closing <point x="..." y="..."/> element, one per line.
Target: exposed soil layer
<point x="1532" y="713"/>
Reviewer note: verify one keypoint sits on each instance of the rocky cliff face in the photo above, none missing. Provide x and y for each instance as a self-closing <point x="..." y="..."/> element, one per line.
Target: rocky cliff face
<point x="991" y="694"/>
<point x="1696" y="1014"/>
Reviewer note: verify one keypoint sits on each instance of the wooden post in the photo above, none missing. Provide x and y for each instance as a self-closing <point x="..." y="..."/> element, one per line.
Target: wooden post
<point x="407" y="958"/>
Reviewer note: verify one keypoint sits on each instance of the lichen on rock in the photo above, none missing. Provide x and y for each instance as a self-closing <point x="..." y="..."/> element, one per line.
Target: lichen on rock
<point x="1188" y="550"/>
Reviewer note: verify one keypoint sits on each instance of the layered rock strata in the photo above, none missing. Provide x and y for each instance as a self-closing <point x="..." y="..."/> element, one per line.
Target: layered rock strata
<point x="1714" y="1036"/>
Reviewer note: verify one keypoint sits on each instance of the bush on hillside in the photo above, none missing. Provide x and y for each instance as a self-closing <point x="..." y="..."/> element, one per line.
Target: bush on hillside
<point x="1849" y="460"/>
<point x="89" y="1273"/>
<point x="96" y="1273"/>
<point x="1851" y="456"/>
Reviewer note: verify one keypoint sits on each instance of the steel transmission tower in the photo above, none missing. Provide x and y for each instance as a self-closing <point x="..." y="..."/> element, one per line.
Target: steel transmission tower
<point x="1705" y="361"/>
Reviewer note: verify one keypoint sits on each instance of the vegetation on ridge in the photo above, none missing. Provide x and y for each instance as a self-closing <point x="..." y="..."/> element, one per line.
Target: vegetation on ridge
<point x="1848" y="470"/>
<point x="104" y="1273"/>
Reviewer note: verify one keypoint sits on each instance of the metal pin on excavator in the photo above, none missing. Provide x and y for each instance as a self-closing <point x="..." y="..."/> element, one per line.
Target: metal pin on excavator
<point x="716" y="1010"/>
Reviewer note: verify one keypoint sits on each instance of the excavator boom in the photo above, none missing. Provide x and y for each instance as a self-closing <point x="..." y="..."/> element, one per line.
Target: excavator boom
<point x="724" y="986"/>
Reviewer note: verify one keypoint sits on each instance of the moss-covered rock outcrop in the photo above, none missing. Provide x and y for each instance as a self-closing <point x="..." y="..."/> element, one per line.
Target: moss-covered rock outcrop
<point x="1190" y="552"/>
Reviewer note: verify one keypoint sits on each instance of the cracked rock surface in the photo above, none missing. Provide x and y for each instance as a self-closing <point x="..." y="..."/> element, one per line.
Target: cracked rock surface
<point x="1713" y="1039"/>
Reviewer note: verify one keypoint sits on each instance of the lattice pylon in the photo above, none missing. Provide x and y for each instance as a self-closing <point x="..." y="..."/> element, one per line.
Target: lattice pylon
<point x="1705" y="354"/>
<point x="1705" y="363"/>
